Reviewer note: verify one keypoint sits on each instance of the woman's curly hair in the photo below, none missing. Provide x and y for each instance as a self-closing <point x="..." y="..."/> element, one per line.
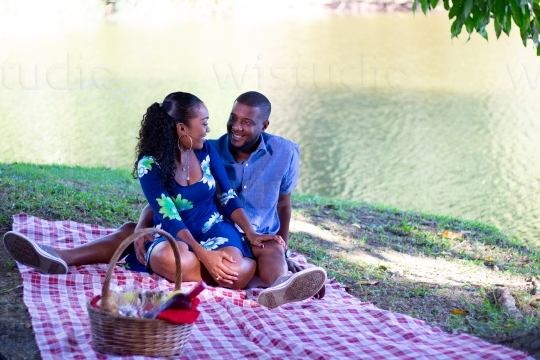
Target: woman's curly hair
<point x="158" y="137"/>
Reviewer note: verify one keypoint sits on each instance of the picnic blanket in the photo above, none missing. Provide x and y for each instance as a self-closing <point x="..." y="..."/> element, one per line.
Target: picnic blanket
<point x="232" y="324"/>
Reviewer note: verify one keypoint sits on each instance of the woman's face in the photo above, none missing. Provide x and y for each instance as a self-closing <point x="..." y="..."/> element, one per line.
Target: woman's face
<point x="196" y="129"/>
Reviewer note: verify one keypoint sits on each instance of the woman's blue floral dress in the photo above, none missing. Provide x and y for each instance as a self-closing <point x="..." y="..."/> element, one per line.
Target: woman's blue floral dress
<point x="194" y="207"/>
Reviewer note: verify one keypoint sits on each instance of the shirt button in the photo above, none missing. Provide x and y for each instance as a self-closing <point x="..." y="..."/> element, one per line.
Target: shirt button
<point x="247" y="164"/>
<point x="245" y="186"/>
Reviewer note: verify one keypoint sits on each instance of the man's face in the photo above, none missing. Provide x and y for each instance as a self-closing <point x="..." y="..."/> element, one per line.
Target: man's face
<point x="245" y="126"/>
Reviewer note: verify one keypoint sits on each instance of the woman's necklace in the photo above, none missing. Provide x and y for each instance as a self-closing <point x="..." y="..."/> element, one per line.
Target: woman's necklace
<point x="185" y="164"/>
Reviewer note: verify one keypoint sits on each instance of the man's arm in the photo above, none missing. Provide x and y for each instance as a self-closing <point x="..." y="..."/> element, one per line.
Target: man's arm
<point x="284" y="210"/>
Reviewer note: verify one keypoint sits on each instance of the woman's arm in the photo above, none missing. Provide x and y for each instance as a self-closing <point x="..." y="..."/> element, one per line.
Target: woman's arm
<point x="240" y="218"/>
<point x="145" y="221"/>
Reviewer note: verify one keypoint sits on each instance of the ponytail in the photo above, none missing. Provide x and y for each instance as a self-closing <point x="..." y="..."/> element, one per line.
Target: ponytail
<point x="158" y="137"/>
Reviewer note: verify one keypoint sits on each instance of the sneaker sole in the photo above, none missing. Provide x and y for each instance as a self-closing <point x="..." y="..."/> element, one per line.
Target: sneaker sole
<point x="28" y="253"/>
<point x="300" y="286"/>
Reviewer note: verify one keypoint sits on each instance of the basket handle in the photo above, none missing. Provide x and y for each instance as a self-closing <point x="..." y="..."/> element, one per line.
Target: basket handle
<point x="126" y="243"/>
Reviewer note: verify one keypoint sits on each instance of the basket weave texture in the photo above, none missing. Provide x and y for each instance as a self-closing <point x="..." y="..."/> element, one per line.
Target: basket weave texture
<point x="121" y="335"/>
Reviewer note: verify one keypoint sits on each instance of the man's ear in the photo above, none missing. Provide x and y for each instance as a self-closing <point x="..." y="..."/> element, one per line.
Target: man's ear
<point x="265" y="125"/>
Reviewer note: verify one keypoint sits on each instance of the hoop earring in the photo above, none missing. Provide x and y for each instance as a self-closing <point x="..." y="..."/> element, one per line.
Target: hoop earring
<point x="190" y="140"/>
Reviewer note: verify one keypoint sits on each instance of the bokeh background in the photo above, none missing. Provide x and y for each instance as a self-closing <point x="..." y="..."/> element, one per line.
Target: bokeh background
<point x="385" y="106"/>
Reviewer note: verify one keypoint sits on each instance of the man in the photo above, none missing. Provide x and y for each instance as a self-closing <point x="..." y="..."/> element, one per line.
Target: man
<point x="263" y="170"/>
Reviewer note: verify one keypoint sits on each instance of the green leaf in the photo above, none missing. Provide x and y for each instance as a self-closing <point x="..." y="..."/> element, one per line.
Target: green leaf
<point x="446" y="4"/>
<point x="523" y="33"/>
<point x="456" y="8"/>
<point x="414" y="5"/>
<point x="482" y="31"/>
<point x="469" y="25"/>
<point x="478" y="16"/>
<point x="534" y="34"/>
<point x="517" y="15"/>
<point x="507" y="24"/>
<point x="433" y="3"/>
<point x="425" y="5"/>
<point x="467" y="8"/>
<point x="536" y="10"/>
<point x="526" y="20"/>
<point x="456" y="27"/>
<point x="498" y="27"/>
<point x="500" y="11"/>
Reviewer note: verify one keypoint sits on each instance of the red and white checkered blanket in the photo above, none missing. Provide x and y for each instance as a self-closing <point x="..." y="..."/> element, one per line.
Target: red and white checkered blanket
<point x="232" y="324"/>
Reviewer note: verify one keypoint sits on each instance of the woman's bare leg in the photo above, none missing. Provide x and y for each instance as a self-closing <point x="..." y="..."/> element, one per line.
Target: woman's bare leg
<point x="162" y="262"/>
<point x="244" y="267"/>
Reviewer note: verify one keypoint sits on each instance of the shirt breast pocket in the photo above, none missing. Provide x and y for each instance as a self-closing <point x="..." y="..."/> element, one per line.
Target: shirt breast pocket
<point x="265" y="193"/>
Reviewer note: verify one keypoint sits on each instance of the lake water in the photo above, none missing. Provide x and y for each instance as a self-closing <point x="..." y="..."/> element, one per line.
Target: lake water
<point x="385" y="107"/>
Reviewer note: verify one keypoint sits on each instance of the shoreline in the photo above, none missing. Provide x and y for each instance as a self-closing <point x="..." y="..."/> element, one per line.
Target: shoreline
<point x="444" y="271"/>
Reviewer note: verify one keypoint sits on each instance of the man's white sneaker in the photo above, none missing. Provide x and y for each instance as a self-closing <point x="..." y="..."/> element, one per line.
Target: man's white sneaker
<point x="296" y="287"/>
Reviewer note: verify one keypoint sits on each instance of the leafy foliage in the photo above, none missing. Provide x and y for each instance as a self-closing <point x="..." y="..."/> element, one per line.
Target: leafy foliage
<point x="475" y="15"/>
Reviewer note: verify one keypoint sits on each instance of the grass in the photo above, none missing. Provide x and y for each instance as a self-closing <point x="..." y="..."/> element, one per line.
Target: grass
<point x="377" y="228"/>
<point x="103" y="196"/>
<point x="111" y="197"/>
<point x="408" y="231"/>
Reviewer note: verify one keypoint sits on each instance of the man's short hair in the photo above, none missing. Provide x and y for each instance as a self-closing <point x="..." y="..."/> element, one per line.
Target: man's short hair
<point x="258" y="100"/>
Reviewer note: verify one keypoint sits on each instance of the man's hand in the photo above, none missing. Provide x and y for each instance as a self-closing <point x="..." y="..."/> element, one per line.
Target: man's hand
<point x="140" y="249"/>
<point x="294" y="267"/>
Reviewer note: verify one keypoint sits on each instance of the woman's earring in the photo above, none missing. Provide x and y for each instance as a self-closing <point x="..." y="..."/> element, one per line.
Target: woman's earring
<point x="180" y="146"/>
<point x="190" y="140"/>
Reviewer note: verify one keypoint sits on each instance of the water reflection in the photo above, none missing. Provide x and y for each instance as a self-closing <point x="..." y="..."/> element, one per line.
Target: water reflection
<point x="384" y="107"/>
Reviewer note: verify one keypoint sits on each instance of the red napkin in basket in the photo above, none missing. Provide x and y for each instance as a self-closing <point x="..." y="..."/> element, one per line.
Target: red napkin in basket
<point x="183" y="316"/>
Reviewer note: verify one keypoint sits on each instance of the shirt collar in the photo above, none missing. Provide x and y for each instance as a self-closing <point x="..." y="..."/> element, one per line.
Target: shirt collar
<point x="228" y="156"/>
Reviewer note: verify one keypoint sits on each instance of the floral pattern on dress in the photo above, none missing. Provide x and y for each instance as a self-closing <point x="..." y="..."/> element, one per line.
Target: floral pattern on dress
<point x="213" y="243"/>
<point x="157" y="235"/>
<point x="214" y="219"/>
<point x="144" y="165"/>
<point x="182" y="204"/>
<point x="225" y="197"/>
<point x="167" y="208"/>
<point x="207" y="178"/>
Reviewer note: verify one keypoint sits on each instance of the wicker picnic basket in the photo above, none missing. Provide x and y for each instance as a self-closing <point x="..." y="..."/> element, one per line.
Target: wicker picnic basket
<point x="121" y="335"/>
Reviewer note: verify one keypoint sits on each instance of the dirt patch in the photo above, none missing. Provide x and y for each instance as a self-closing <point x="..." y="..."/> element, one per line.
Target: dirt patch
<point x="17" y="339"/>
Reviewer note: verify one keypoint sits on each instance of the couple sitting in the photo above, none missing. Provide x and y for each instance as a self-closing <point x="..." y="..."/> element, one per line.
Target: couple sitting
<point x="248" y="174"/>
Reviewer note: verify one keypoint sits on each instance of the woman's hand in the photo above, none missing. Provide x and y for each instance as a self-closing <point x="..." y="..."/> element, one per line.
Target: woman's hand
<point x="140" y="249"/>
<point x="216" y="262"/>
<point x="258" y="240"/>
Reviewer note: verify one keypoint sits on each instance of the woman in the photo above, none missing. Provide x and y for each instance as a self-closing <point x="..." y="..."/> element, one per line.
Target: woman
<point x="178" y="172"/>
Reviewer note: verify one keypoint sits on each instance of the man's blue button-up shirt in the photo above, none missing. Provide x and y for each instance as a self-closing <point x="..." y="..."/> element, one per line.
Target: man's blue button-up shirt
<point x="272" y="169"/>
